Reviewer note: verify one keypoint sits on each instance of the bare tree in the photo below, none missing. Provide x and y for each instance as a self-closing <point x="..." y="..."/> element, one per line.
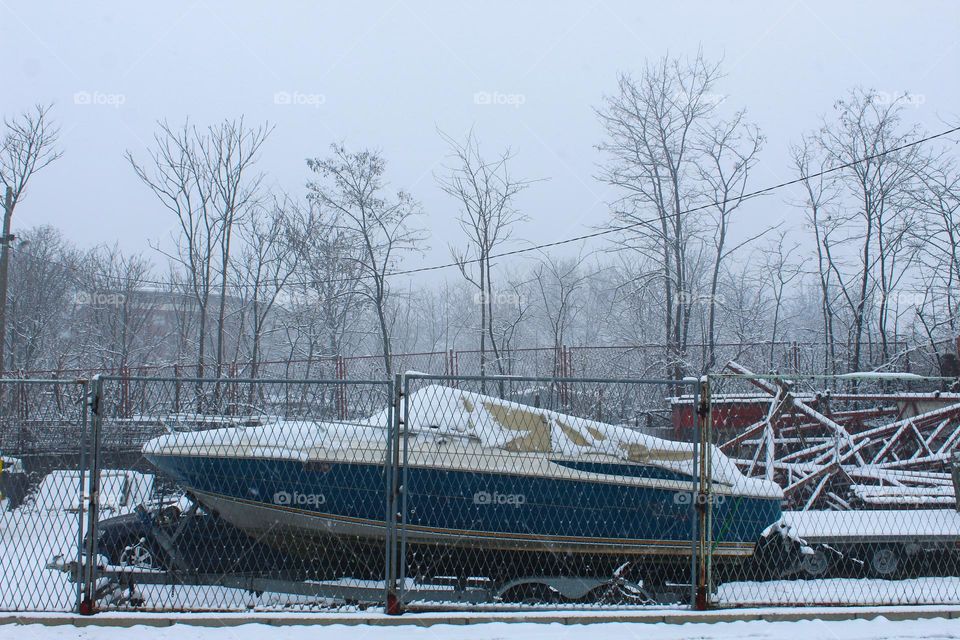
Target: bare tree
<point x="29" y="144"/>
<point x="352" y="187"/>
<point x="820" y="194"/>
<point x="651" y="127"/>
<point x="115" y="310"/>
<point x="230" y="150"/>
<point x="177" y="176"/>
<point x="781" y="271"/>
<point x="937" y="240"/>
<point x="867" y="140"/>
<point x="43" y="276"/>
<point x="205" y="178"/>
<point x="267" y="262"/>
<point x="326" y="299"/>
<point x="729" y="151"/>
<point x="559" y="281"/>
<point x="485" y="191"/>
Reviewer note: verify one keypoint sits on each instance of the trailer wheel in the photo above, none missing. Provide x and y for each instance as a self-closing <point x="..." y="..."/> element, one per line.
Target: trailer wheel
<point x="137" y="553"/>
<point x="886" y="562"/>
<point x="816" y="564"/>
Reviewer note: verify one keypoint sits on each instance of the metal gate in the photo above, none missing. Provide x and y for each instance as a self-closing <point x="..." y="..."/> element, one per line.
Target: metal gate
<point x="545" y="492"/>
<point x="253" y="494"/>
<point x="44" y="446"/>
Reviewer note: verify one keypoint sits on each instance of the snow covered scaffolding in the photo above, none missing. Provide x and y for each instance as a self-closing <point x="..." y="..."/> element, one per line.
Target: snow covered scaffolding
<point x="843" y="447"/>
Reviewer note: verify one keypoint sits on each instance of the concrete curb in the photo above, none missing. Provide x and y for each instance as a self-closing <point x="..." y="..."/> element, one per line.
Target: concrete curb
<point x="459" y="618"/>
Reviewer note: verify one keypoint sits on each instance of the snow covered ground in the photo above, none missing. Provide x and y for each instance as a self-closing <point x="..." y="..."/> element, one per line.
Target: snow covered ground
<point x="30" y="538"/>
<point x="876" y="629"/>
<point x="46" y="527"/>
<point x="942" y="590"/>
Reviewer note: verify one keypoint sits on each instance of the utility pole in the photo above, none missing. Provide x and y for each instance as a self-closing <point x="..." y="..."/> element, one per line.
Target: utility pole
<point x="4" y="264"/>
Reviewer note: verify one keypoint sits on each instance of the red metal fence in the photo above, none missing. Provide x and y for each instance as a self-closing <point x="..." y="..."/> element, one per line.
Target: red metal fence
<point x="638" y="361"/>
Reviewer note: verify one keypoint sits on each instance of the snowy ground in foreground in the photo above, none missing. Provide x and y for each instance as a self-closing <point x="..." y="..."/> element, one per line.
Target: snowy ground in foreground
<point x="847" y="630"/>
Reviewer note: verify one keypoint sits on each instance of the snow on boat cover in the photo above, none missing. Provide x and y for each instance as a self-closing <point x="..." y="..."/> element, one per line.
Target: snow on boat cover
<point x="496" y="424"/>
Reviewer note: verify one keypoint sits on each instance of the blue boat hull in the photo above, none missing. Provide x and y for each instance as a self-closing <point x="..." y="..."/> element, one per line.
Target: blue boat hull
<point x="300" y="506"/>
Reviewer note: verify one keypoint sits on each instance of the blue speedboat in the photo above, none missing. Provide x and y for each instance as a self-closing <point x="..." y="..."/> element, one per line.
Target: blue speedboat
<point x="482" y="476"/>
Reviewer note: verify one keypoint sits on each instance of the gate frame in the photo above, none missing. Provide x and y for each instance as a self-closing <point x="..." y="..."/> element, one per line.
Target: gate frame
<point x="699" y="556"/>
<point x="80" y="421"/>
<point x="87" y="604"/>
<point x="87" y="567"/>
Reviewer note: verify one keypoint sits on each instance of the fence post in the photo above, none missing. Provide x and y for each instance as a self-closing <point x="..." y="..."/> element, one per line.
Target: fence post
<point x="694" y="435"/>
<point x="392" y="599"/>
<point x="403" y="482"/>
<point x="88" y="605"/>
<point x="176" y="388"/>
<point x="703" y="500"/>
<point x="82" y="480"/>
<point x="124" y="391"/>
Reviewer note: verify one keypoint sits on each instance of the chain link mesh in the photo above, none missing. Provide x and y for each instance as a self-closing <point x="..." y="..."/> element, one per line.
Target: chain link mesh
<point x="864" y="461"/>
<point x="467" y="492"/>
<point x="42" y="442"/>
<point x="266" y="494"/>
<point x="539" y="492"/>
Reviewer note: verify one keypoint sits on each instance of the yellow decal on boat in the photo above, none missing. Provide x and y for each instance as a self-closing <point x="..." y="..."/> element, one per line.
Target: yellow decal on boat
<point x="596" y="433"/>
<point x="637" y="452"/>
<point x="535" y="425"/>
<point x="572" y="434"/>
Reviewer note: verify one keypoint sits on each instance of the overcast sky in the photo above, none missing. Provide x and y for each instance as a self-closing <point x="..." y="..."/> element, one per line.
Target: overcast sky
<point x="388" y="75"/>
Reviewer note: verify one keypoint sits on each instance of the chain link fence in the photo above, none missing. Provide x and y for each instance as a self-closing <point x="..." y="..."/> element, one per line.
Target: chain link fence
<point x="267" y="494"/>
<point x="43" y="442"/>
<point x="540" y="492"/>
<point x="868" y="468"/>
<point x="460" y="492"/>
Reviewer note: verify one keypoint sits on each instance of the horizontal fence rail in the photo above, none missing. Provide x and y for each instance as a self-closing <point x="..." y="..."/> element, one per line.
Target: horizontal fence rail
<point x="565" y="361"/>
<point x="439" y="491"/>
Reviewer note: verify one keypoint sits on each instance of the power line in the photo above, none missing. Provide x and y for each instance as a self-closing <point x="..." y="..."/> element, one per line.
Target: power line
<point x="586" y="236"/>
